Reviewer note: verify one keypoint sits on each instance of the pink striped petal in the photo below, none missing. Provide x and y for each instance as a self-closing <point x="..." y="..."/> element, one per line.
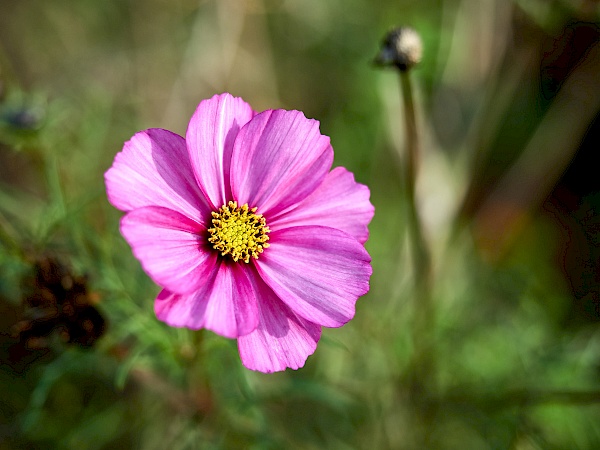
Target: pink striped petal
<point x="225" y="304"/>
<point x="154" y="169"/>
<point x="339" y="203"/>
<point x="172" y="248"/>
<point x="279" y="158"/>
<point x="318" y="272"/>
<point x="210" y="136"/>
<point x="281" y="340"/>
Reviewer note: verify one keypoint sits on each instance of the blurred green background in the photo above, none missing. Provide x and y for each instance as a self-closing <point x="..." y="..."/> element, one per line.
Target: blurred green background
<point x="505" y="356"/>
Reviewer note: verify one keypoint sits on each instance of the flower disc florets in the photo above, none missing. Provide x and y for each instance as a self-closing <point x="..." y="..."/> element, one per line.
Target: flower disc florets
<point x="238" y="231"/>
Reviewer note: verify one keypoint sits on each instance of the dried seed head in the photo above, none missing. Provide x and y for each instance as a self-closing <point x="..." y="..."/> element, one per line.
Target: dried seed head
<point x="402" y="47"/>
<point x="58" y="303"/>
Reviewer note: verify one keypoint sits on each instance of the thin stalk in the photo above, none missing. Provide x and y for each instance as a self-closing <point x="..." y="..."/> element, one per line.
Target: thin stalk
<point x="420" y="250"/>
<point x="494" y="401"/>
<point x="7" y="239"/>
<point x="423" y="365"/>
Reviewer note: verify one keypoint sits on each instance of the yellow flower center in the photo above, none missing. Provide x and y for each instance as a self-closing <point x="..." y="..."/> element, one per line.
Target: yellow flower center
<point x="239" y="232"/>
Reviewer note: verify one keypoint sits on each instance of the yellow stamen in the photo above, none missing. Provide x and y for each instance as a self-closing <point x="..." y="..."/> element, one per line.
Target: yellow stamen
<point x="239" y="232"/>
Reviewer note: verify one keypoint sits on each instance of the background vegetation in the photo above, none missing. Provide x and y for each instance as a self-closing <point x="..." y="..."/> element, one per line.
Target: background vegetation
<point x="506" y="355"/>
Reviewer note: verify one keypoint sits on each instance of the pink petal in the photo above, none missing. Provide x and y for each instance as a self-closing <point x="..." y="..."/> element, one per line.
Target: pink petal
<point x="281" y="340"/>
<point x="171" y="247"/>
<point x="339" y="203"/>
<point x="318" y="272"/>
<point x="225" y="304"/>
<point x="153" y="169"/>
<point x="279" y="158"/>
<point x="210" y="136"/>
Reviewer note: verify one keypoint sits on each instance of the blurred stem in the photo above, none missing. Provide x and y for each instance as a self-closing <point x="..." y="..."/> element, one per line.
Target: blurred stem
<point x="423" y="362"/>
<point x="493" y="401"/>
<point x="54" y="183"/>
<point x="420" y="251"/>
<point x="181" y="401"/>
<point x="7" y="239"/>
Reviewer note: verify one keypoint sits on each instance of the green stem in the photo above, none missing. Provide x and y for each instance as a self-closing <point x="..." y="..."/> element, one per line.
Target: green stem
<point x="521" y="397"/>
<point x="8" y="241"/>
<point x="423" y="366"/>
<point x="420" y="251"/>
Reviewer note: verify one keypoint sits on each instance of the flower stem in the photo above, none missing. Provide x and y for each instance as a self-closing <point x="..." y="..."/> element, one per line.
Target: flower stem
<point x="422" y="369"/>
<point x="420" y="251"/>
<point x="7" y="239"/>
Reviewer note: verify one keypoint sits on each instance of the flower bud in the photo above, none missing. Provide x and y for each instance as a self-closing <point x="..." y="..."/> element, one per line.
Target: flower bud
<point x="402" y="47"/>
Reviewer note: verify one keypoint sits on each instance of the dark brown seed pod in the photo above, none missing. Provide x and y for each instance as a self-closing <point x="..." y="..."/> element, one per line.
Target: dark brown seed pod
<point x="59" y="304"/>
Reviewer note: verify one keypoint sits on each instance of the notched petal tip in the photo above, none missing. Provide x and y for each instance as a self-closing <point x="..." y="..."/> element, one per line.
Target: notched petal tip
<point x="225" y="304"/>
<point x="210" y="135"/>
<point x="279" y="158"/>
<point x="282" y="339"/>
<point x="319" y="272"/>
<point x="153" y="169"/>
<point x="339" y="202"/>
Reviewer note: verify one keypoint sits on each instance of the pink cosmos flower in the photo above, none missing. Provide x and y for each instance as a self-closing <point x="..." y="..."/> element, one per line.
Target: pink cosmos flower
<point x="245" y="228"/>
